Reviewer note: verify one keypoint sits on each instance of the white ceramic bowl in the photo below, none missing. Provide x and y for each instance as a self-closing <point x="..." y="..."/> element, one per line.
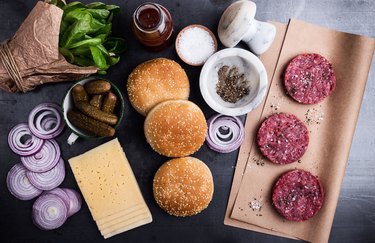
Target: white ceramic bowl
<point x="247" y="63"/>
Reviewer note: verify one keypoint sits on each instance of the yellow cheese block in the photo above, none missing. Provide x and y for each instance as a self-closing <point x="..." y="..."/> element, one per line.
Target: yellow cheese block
<point x="134" y="223"/>
<point x="107" y="182"/>
<point x="118" y="215"/>
<point x="117" y="223"/>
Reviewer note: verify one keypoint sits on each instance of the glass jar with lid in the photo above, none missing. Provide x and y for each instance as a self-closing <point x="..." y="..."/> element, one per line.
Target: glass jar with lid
<point x="152" y="25"/>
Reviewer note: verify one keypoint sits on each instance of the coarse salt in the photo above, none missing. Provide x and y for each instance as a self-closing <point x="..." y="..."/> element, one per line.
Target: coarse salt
<point x="195" y="45"/>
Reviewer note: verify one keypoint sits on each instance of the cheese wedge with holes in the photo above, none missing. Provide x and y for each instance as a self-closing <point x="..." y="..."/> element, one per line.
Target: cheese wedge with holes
<point x="109" y="188"/>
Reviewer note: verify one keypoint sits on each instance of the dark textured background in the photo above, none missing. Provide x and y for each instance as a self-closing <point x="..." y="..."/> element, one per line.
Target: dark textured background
<point x="355" y="214"/>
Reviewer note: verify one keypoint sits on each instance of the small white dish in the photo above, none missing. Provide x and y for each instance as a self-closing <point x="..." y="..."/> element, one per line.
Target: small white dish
<point x="196" y="45"/>
<point x="248" y="64"/>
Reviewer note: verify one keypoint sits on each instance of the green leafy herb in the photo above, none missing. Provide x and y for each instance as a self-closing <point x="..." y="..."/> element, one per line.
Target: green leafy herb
<point x="85" y="34"/>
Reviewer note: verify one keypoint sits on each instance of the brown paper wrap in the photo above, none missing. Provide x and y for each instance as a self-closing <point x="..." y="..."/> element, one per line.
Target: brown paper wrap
<point x="35" y="50"/>
<point x="330" y="137"/>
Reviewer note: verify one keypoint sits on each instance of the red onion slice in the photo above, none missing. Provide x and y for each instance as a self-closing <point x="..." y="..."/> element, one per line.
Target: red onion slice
<point x="19" y="185"/>
<point x="50" y="179"/>
<point x="22" y="142"/>
<point x="49" y="212"/>
<point x="61" y="194"/>
<point x="225" y="133"/>
<point x="45" y="159"/>
<point x="75" y="201"/>
<point x="45" y="121"/>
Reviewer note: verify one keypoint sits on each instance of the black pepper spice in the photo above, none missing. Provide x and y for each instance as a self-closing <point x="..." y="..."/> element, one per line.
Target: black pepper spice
<point x="232" y="85"/>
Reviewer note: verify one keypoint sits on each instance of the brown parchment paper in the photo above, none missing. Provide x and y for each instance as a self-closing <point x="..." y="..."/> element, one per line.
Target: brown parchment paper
<point x="35" y="48"/>
<point x="330" y="137"/>
<point x="269" y="60"/>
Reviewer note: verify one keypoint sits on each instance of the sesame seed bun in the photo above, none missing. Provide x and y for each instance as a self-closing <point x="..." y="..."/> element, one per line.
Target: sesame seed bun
<point x="183" y="187"/>
<point x="175" y="128"/>
<point x="156" y="81"/>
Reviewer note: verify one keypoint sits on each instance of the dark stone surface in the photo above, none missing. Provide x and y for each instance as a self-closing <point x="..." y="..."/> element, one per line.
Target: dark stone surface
<point x="355" y="214"/>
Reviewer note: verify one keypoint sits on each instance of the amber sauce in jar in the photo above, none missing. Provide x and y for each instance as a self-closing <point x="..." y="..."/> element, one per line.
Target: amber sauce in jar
<point x="152" y="26"/>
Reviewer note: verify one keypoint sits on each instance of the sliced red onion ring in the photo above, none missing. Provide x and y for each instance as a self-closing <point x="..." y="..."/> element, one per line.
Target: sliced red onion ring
<point x="225" y="133"/>
<point x="22" y="142"/>
<point x="49" y="212"/>
<point x="45" y="159"/>
<point x="75" y="201"/>
<point x="50" y="179"/>
<point x="62" y="194"/>
<point x="45" y="121"/>
<point x="19" y="185"/>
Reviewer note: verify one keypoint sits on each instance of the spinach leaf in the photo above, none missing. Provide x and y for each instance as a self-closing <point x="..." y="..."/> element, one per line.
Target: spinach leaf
<point x="83" y="61"/>
<point x="84" y="35"/>
<point x="67" y="54"/>
<point x="98" y="58"/>
<point x="95" y="25"/>
<point x="113" y="8"/>
<point x="73" y="5"/>
<point x="82" y="51"/>
<point x="115" y="45"/>
<point x="75" y="15"/>
<point x="76" y="30"/>
<point x="86" y="42"/>
<point x="99" y="13"/>
<point x="113" y="60"/>
<point x="96" y="5"/>
<point x="58" y="3"/>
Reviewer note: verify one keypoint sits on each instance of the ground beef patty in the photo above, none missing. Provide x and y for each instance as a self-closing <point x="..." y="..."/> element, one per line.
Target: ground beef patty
<point x="283" y="138"/>
<point x="309" y="78"/>
<point x="298" y="195"/>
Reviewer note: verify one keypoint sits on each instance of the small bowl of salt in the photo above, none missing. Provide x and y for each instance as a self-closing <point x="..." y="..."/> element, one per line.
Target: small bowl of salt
<point x="195" y="44"/>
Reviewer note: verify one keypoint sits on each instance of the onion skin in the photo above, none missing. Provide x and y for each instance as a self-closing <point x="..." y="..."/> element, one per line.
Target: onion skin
<point x="19" y="185"/>
<point x="36" y="120"/>
<point x="50" y="179"/>
<point x="224" y="143"/>
<point x="45" y="159"/>
<point x="49" y="212"/>
<point x="30" y="147"/>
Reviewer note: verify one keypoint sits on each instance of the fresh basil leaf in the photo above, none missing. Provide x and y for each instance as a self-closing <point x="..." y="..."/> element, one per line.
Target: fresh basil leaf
<point x="98" y="58"/>
<point x="76" y="30"/>
<point x="87" y="42"/>
<point x="101" y="72"/>
<point x="115" y="45"/>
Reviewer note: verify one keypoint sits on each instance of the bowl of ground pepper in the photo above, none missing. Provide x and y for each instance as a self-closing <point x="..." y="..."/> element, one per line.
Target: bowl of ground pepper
<point x="233" y="81"/>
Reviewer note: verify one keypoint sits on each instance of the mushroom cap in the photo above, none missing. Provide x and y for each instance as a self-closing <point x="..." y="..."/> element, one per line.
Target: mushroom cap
<point x="235" y="22"/>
